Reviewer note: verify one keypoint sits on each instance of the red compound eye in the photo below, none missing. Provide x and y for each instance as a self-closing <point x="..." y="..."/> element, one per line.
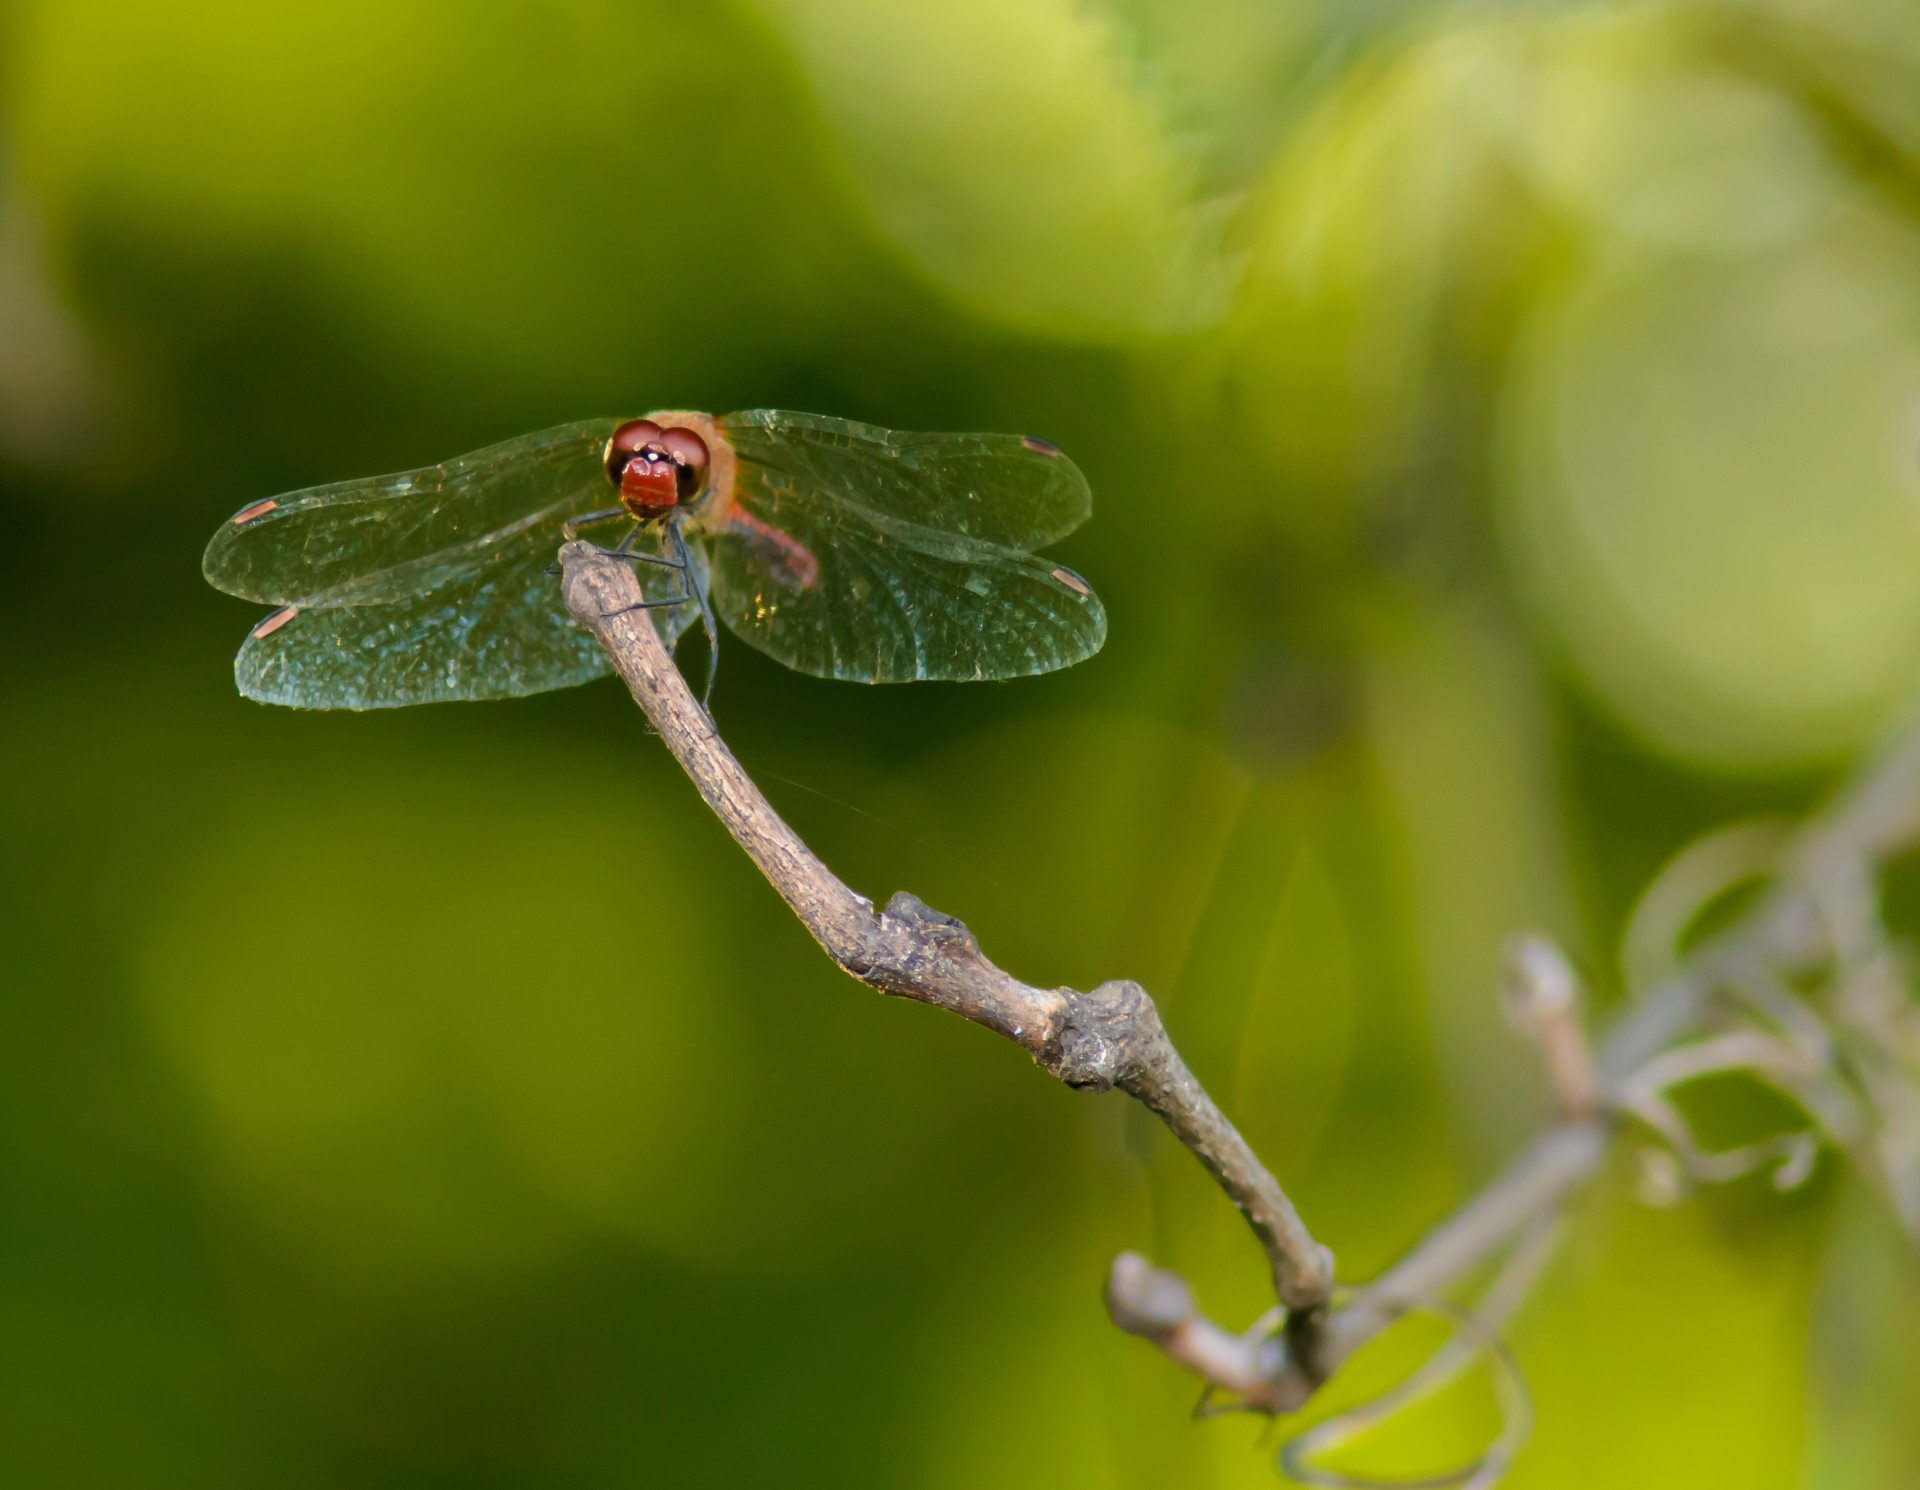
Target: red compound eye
<point x="630" y="437"/>
<point x="689" y="453"/>
<point x="636" y="434"/>
<point x="686" y="446"/>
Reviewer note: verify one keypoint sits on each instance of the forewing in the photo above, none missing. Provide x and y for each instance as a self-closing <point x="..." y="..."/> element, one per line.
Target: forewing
<point x="1011" y="490"/>
<point x="831" y="588"/>
<point x="424" y="586"/>
<point x="298" y="548"/>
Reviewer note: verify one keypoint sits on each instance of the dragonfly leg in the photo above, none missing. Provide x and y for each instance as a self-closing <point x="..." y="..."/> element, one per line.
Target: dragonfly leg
<point x="686" y="584"/>
<point x="600" y="515"/>
<point x="624" y="548"/>
<point x="608" y="553"/>
<point x="621" y="550"/>
<point x="617" y="553"/>
<point x="607" y="615"/>
<point x="706" y="616"/>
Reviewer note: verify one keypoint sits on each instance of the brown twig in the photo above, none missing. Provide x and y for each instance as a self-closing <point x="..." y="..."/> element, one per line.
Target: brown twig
<point x="1110" y="1036"/>
<point x="1158" y="1306"/>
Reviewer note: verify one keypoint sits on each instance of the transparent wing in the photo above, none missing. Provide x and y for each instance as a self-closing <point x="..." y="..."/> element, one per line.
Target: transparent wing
<point x="1012" y="490"/>
<point x="424" y="586"/>
<point x="297" y="547"/>
<point x="814" y="569"/>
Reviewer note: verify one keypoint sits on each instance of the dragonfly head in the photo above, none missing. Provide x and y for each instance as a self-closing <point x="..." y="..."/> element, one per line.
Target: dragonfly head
<point x="656" y="470"/>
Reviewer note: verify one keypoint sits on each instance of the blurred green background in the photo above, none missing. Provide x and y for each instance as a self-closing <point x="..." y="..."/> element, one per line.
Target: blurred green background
<point x="1504" y="424"/>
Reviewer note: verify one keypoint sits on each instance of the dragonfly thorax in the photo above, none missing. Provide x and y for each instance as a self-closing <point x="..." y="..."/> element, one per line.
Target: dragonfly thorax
<point x="656" y="470"/>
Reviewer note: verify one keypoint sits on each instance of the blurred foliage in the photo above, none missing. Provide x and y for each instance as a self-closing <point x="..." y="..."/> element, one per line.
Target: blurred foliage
<point x="1503" y="426"/>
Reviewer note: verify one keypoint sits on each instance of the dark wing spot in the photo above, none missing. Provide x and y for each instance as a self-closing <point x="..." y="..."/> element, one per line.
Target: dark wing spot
<point x="254" y="509"/>
<point x="1039" y="446"/>
<point x="1072" y="580"/>
<point x="274" y="622"/>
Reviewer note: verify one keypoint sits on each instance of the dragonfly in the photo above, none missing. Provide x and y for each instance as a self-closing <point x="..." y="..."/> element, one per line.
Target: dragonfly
<point x="840" y="549"/>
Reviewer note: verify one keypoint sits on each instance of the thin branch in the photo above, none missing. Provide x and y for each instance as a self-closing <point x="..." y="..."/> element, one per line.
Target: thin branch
<point x="1543" y="1002"/>
<point x="1110" y="1036"/>
<point x="1788" y="929"/>
<point x="1537" y="1184"/>
<point x="1158" y="1306"/>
